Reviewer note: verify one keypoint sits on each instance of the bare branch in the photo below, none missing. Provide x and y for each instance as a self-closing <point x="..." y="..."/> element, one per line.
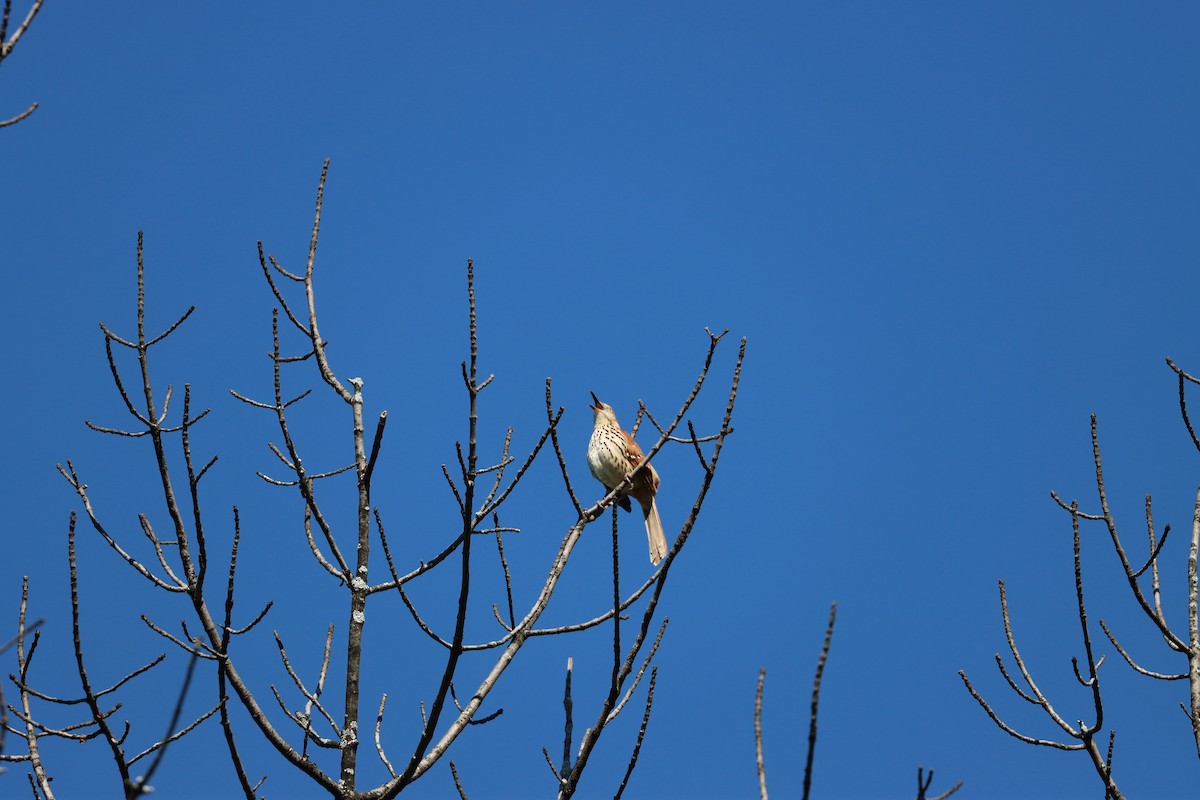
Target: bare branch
<point x="816" y="697"/>
<point x="316" y="551"/>
<point x="638" y="677"/>
<point x="81" y="490"/>
<point x="1084" y="734"/>
<point x="14" y="120"/>
<point x="1194" y="623"/>
<point x="637" y="747"/>
<point x="562" y="463"/>
<point x="171" y="735"/>
<point x="512" y="618"/>
<point x="378" y="743"/>
<point x="262" y="260"/>
<point x="375" y="445"/>
<point x="490" y="505"/>
<point x="193" y="649"/>
<point x="314" y="696"/>
<point x="462" y="793"/>
<point x="310" y="293"/>
<point x="550" y="763"/>
<point x="38" y="777"/>
<point x="758" y="738"/>
<point x="924" y="781"/>
<point x="1130" y="573"/>
<point x="1184" y="378"/>
<point x="568" y="724"/>
<point x="1155" y="549"/>
<point x="1129" y="660"/>
<point x="1004" y="727"/>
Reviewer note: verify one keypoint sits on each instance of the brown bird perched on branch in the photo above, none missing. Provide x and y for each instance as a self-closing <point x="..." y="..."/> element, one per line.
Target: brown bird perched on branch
<point x="612" y="455"/>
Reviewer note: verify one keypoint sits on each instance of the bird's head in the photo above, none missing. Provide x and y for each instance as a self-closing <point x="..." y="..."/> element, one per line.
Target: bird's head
<point x="603" y="411"/>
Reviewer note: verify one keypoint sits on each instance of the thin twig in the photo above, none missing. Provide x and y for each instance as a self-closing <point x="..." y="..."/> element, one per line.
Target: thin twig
<point x="637" y="746"/>
<point x="816" y="698"/>
<point x="758" y="738"/>
<point x="923" y="782"/>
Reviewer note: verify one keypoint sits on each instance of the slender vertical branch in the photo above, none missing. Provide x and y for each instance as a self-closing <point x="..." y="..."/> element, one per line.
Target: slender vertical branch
<point x="93" y="703"/>
<point x="470" y="377"/>
<point x="1092" y="679"/>
<point x="222" y="685"/>
<point x="615" y="684"/>
<point x="568" y="723"/>
<point x="39" y="779"/>
<point x="816" y="699"/>
<point x="1194" y="624"/>
<point x="512" y="615"/>
<point x="758" y="737"/>
<point x="154" y="422"/>
<point x="310" y="294"/>
<point x="359" y="584"/>
<point x="462" y="793"/>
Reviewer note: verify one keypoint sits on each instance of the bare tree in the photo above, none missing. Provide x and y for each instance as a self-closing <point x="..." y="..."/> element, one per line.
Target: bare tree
<point x="1090" y="737"/>
<point x="316" y="728"/>
<point x="7" y="43"/>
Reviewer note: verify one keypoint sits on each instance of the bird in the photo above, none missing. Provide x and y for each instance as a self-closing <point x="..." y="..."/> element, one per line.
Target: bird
<point x="613" y="454"/>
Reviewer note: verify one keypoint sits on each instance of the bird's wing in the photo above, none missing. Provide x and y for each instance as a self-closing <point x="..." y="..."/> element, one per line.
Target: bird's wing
<point x="648" y="477"/>
<point x="632" y="450"/>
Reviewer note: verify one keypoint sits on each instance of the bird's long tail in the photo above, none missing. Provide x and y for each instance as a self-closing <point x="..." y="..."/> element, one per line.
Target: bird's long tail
<point x="654" y="532"/>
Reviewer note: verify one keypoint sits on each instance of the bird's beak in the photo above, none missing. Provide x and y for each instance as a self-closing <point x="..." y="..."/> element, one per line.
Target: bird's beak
<point x="595" y="400"/>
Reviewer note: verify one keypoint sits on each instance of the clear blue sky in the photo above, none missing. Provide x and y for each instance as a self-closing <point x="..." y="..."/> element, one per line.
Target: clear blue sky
<point x="950" y="232"/>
